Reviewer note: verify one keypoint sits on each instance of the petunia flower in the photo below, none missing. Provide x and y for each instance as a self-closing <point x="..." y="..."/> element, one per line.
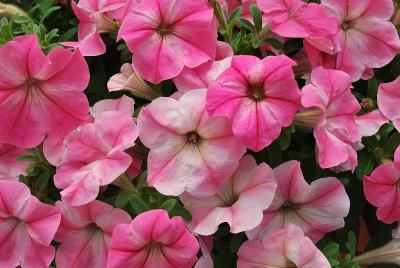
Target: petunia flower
<point x="93" y="156"/>
<point x="258" y="96"/>
<point x="27" y="227"/>
<point x="206" y="245"/>
<point x="189" y="150"/>
<point x="318" y="208"/>
<point x="165" y="36"/>
<point x="152" y="239"/>
<point x="331" y="109"/>
<point x="239" y="202"/>
<point x="381" y="190"/>
<point x="95" y="18"/>
<point x="40" y="94"/>
<point x="129" y="80"/>
<point x="297" y="19"/>
<point x="283" y="248"/>
<point x="367" y="38"/>
<point x="85" y="234"/>
<point x="10" y="168"/>
<point x="388" y="101"/>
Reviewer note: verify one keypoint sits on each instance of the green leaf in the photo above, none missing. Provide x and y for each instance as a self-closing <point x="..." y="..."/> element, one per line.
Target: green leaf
<point x="137" y="204"/>
<point x="122" y="199"/>
<point x="257" y="17"/>
<point x="372" y="88"/>
<point x="392" y="143"/>
<point x="179" y="210"/>
<point x="237" y="241"/>
<point x="28" y="158"/>
<point x="42" y="182"/>
<point x="236" y="13"/>
<point x="169" y="204"/>
<point x="351" y="244"/>
<point x="366" y="163"/>
<point x="22" y="20"/>
<point x="48" y="12"/>
<point x="247" y="24"/>
<point x="68" y="35"/>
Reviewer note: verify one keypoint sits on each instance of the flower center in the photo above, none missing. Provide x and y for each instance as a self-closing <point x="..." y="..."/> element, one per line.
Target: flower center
<point x="344" y="26"/>
<point x="288" y="206"/>
<point x="164" y="29"/>
<point x="256" y="92"/>
<point x="31" y="81"/>
<point x="193" y="137"/>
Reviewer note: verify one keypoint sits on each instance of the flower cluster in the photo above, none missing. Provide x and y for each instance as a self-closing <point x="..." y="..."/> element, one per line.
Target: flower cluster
<point x="238" y="129"/>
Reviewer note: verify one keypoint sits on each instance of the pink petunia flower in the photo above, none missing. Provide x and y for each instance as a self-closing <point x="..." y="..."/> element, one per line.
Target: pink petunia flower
<point x="367" y="38"/>
<point x="297" y="19"/>
<point x="318" y="208"/>
<point x="165" y="36"/>
<point x="331" y="110"/>
<point x="129" y="80"/>
<point x="152" y="239"/>
<point x="27" y="227"/>
<point x="189" y="150"/>
<point x="282" y="248"/>
<point x="239" y="202"/>
<point x="10" y="168"/>
<point x="93" y="156"/>
<point x="381" y="190"/>
<point x="388" y="101"/>
<point x="40" y="94"/>
<point x="85" y="234"/>
<point x="95" y="18"/>
<point x="258" y="96"/>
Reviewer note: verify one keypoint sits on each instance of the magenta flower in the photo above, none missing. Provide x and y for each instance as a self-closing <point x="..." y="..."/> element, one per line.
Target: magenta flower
<point x="258" y="96"/>
<point x="189" y="150"/>
<point x="27" y="227"/>
<point x="94" y="156"/>
<point x="381" y="190"/>
<point x="85" y="234"/>
<point x="388" y="101"/>
<point x="239" y="202"/>
<point x="296" y="19"/>
<point x="165" y="36"/>
<point x="152" y="239"/>
<point x="10" y="168"/>
<point x="95" y="18"/>
<point x="282" y="248"/>
<point x="332" y="112"/>
<point x="367" y="38"/>
<point x="318" y="208"/>
<point x="40" y="94"/>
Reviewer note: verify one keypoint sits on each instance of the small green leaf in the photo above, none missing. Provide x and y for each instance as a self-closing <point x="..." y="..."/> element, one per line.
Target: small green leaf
<point x="22" y="20"/>
<point x="68" y="35"/>
<point x="372" y="88"/>
<point x="137" y="204"/>
<point x="236" y="13"/>
<point x="42" y="181"/>
<point x="257" y="17"/>
<point x="247" y="24"/>
<point x="366" y="164"/>
<point x="351" y="243"/>
<point x="179" y="210"/>
<point x="27" y="158"/>
<point x="169" y="204"/>
<point x="122" y="199"/>
<point x="392" y="143"/>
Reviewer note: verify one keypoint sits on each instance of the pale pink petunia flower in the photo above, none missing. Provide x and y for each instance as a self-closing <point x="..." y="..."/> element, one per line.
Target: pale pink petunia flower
<point x="40" y="94"/>
<point x="367" y="38"/>
<point x="85" y="234"/>
<point x="152" y="239"/>
<point x="297" y="19"/>
<point x="94" y="156"/>
<point x="189" y="150"/>
<point x="10" y="168"/>
<point x="129" y="80"/>
<point x="27" y="227"/>
<point x="331" y="109"/>
<point x="167" y="35"/>
<point x="283" y="248"/>
<point x="318" y="208"/>
<point x="95" y="18"/>
<point x="240" y="202"/>
<point x="258" y="96"/>
<point x="388" y="101"/>
<point x="381" y="190"/>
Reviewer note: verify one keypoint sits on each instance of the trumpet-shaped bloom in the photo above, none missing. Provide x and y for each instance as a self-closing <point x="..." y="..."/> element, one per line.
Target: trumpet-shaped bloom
<point x="177" y="33"/>
<point x="40" y="94"/>
<point x="85" y="234"/>
<point x="388" y="101"/>
<point x="318" y="208"/>
<point x="381" y="190"/>
<point x="329" y="98"/>
<point x="297" y="19"/>
<point x="10" y="168"/>
<point x="258" y="96"/>
<point x="27" y="227"/>
<point x="367" y="38"/>
<point x="152" y="239"/>
<point x="94" y="156"/>
<point x="239" y="202"/>
<point x="282" y="248"/>
<point x="95" y="18"/>
<point x="189" y="150"/>
<point x="129" y="80"/>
